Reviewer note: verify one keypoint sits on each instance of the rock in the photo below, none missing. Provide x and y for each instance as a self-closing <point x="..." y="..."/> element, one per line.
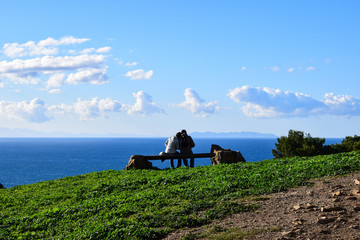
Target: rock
<point x="337" y="193"/>
<point x="297" y="207"/>
<point x="355" y="192"/>
<point x="310" y="193"/>
<point x="310" y="206"/>
<point x="138" y="162"/>
<point x="225" y="155"/>
<point x="1" y="186"/>
<point x="350" y="198"/>
<point x="356" y="207"/>
<point x="325" y="220"/>
<point x="357" y="181"/>
<point x="332" y="209"/>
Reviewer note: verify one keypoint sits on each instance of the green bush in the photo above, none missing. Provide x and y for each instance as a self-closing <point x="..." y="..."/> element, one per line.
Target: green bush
<point x="298" y="144"/>
<point x="348" y="144"/>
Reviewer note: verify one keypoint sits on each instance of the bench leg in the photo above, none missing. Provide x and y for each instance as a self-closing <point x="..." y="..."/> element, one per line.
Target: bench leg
<point x="172" y="163"/>
<point x="191" y="162"/>
<point x="179" y="163"/>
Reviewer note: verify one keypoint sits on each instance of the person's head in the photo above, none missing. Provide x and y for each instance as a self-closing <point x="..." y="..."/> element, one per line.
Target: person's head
<point x="184" y="132"/>
<point x="178" y="134"/>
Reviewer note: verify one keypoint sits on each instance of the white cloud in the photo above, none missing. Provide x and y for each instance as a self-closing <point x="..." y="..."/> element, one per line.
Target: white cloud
<point x="92" y="75"/>
<point x="342" y="105"/>
<point x="51" y="64"/>
<point x="269" y="103"/>
<point x="139" y="74"/>
<point x="87" y="67"/>
<point x="103" y="50"/>
<point x="144" y="105"/>
<point x="63" y="41"/>
<point x="196" y="105"/>
<point x="243" y="68"/>
<point x="22" y="78"/>
<point x="99" y="50"/>
<point x="311" y="68"/>
<point x="100" y="108"/>
<point x="43" y="47"/>
<point x="290" y="70"/>
<point x="131" y="64"/>
<point x="33" y="111"/>
<point x="90" y="109"/>
<point x="2" y="84"/>
<point x="55" y="80"/>
<point x="275" y="69"/>
<point x="87" y="50"/>
<point x="55" y="91"/>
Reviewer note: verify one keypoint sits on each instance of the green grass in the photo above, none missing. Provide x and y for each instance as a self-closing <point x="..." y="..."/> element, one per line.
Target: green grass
<point x="148" y="204"/>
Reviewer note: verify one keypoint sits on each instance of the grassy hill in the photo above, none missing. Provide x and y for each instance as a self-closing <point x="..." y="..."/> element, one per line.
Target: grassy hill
<point x="148" y="204"/>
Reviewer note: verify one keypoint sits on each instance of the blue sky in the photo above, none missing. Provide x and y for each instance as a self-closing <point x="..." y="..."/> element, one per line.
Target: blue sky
<point x="152" y="68"/>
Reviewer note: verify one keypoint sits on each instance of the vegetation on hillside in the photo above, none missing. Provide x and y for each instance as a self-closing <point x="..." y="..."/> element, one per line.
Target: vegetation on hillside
<point x="299" y="144"/>
<point x="148" y="204"/>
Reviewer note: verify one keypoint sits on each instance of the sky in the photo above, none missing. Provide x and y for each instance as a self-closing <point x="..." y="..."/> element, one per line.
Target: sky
<point x="152" y="68"/>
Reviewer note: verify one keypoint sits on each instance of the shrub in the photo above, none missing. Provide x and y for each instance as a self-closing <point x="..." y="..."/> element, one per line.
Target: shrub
<point x="298" y="144"/>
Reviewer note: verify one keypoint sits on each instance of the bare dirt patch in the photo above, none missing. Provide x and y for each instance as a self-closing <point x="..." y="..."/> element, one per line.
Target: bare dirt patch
<point x="329" y="209"/>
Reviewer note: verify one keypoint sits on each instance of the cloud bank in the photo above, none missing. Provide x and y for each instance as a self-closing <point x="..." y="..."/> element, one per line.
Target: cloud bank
<point x="34" y="63"/>
<point x="37" y="110"/>
<point x="270" y="103"/>
<point x="198" y="106"/>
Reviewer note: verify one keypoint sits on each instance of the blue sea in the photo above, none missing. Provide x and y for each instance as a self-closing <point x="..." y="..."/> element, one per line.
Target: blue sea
<point x="31" y="160"/>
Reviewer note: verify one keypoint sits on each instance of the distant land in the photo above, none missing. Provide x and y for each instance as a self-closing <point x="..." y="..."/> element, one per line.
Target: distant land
<point x="232" y="135"/>
<point x="28" y="133"/>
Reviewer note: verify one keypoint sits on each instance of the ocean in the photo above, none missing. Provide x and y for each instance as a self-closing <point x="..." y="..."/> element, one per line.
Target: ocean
<point x="31" y="160"/>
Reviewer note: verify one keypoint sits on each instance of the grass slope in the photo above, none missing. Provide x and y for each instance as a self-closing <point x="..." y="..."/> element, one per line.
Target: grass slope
<point x="148" y="204"/>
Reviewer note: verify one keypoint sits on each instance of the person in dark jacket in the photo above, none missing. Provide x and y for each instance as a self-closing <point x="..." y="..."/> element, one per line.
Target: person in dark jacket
<point x="186" y="143"/>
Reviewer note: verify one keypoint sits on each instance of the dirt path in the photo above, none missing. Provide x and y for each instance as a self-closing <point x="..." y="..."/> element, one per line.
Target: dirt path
<point x="330" y="209"/>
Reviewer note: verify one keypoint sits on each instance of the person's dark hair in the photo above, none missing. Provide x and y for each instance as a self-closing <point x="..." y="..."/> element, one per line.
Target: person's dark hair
<point x="183" y="131"/>
<point x="178" y="134"/>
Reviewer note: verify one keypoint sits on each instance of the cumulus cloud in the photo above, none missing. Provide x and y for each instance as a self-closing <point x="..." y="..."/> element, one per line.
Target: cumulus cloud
<point x="131" y="64"/>
<point x="103" y="50"/>
<point x="43" y="64"/>
<point x="56" y="80"/>
<point x="89" y="109"/>
<point x="51" y="64"/>
<point x="33" y="111"/>
<point x="100" y="108"/>
<point x="93" y="76"/>
<point x="311" y="68"/>
<point x="43" y="47"/>
<point x="144" y="105"/>
<point x="290" y="70"/>
<point x="139" y="74"/>
<point x="196" y="105"/>
<point x="275" y="69"/>
<point x="55" y="91"/>
<point x="270" y="103"/>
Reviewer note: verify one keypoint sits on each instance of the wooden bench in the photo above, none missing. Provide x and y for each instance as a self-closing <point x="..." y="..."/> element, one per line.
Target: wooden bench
<point x="217" y="154"/>
<point x="171" y="157"/>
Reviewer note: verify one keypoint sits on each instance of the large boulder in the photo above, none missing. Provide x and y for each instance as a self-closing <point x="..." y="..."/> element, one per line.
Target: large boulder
<point x="138" y="162"/>
<point x="221" y="155"/>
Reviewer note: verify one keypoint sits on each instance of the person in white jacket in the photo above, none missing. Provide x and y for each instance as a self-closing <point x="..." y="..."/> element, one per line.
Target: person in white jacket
<point x="172" y="145"/>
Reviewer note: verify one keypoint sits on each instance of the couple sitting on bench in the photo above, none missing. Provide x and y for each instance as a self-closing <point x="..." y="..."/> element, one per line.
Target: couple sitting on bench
<point x="180" y="141"/>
